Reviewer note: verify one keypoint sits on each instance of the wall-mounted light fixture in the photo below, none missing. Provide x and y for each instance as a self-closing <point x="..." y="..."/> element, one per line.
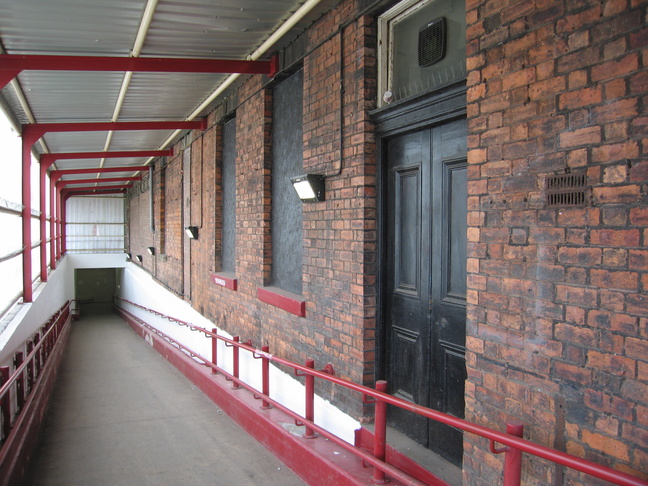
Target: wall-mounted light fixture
<point x="309" y="187"/>
<point x="129" y="257"/>
<point x="192" y="232"/>
<point x="139" y="258"/>
<point x="151" y="250"/>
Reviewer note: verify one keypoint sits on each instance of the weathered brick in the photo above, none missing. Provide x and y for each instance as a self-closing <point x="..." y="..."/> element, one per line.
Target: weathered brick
<point x="571" y="373"/>
<point x="606" y="444"/>
<point x="611" y="363"/>
<point x="575" y="294"/>
<point x="582" y="336"/>
<point x="580" y="98"/>
<point x="582" y="136"/>
<point x="635" y="391"/>
<point x="611" y="69"/>
<point x="615" y="110"/>
<point x="636" y="348"/>
<point x="609" y="237"/>
<point x="618" y="194"/>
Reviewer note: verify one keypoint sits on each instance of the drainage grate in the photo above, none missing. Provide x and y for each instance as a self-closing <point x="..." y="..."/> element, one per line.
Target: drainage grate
<point x="566" y="190"/>
<point x="432" y="42"/>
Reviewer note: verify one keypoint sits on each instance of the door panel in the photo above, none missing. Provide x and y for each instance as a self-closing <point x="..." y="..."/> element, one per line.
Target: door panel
<point x="407" y="299"/>
<point x="408" y="234"/>
<point x="425" y="279"/>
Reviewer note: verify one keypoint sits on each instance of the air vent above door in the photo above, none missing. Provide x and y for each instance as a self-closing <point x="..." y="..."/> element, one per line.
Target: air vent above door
<point x="432" y="42"/>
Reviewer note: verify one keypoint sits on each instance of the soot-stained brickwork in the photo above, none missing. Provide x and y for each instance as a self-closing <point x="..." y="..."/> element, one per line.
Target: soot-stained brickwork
<point x="558" y="305"/>
<point x="557" y="315"/>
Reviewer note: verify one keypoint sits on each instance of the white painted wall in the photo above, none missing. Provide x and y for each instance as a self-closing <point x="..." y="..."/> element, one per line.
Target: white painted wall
<point x="48" y="298"/>
<point x="139" y="287"/>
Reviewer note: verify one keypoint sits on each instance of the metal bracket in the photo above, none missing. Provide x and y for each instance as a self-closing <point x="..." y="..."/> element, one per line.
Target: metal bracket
<point x="495" y="450"/>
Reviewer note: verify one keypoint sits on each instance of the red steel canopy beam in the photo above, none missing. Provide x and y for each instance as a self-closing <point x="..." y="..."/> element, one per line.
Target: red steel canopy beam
<point x="49" y="159"/>
<point x="94" y="188"/>
<point x="34" y="131"/>
<point x="56" y="175"/>
<point x="11" y="65"/>
<point x="46" y="161"/>
<point x="62" y="183"/>
<point x="68" y="195"/>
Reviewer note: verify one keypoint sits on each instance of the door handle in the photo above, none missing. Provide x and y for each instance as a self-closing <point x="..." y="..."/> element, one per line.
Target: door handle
<point x="443" y="323"/>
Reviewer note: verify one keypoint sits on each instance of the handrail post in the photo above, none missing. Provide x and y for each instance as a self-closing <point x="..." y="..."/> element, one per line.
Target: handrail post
<point x="380" y="432"/>
<point x="513" y="456"/>
<point x="20" y="382"/>
<point x="30" y="367"/>
<point x="214" y="351"/>
<point x="39" y="355"/>
<point x="265" y="375"/>
<point x="310" y="400"/>
<point x="235" y="351"/>
<point x="5" y="403"/>
<point x="46" y="343"/>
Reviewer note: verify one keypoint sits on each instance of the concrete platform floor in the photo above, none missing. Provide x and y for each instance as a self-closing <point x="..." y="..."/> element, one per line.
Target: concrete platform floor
<point x="122" y="415"/>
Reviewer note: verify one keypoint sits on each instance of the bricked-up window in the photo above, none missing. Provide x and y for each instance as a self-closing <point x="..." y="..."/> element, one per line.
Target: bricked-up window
<point x="228" y="174"/>
<point x="287" y="162"/>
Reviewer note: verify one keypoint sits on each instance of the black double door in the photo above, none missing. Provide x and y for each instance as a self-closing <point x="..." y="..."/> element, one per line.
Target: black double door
<point x="425" y="280"/>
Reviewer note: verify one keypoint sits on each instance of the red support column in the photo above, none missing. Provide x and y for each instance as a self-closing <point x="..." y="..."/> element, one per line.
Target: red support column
<point x="26" y="218"/>
<point x="63" y="227"/>
<point x="52" y="225"/>
<point x="57" y="196"/>
<point x="43" y="224"/>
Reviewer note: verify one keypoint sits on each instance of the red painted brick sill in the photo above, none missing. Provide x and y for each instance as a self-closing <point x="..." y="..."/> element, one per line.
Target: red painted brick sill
<point x="228" y="281"/>
<point x="293" y="303"/>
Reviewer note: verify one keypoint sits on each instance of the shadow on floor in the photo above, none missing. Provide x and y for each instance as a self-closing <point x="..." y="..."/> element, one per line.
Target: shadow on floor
<point x="122" y="415"/>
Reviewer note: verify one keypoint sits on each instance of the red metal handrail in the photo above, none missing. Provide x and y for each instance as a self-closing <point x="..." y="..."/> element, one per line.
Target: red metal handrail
<point x="365" y="456"/>
<point x="39" y="348"/>
<point x="515" y="444"/>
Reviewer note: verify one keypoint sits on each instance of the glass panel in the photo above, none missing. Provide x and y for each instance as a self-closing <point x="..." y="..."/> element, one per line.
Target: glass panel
<point x="11" y="281"/>
<point x="96" y="225"/>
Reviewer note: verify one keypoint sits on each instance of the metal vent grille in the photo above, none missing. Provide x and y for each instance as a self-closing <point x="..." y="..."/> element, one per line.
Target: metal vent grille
<point x="566" y="190"/>
<point x="432" y="42"/>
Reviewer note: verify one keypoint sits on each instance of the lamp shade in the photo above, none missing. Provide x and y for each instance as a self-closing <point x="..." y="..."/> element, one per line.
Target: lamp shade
<point x="192" y="232"/>
<point x="309" y="187"/>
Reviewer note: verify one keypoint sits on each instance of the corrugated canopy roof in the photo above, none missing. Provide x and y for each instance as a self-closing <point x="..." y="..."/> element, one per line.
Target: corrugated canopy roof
<point x="201" y="29"/>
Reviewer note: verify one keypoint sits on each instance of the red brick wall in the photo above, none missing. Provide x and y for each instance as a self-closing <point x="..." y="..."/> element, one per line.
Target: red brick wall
<point x="558" y="313"/>
<point x="168" y="270"/>
<point x="203" y="164"/>
<point x="339" y="262"/>
<point x="140" y="236"/>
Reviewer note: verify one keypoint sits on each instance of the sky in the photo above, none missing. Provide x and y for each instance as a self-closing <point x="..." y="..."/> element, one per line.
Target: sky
<point x="10" y="224"/>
